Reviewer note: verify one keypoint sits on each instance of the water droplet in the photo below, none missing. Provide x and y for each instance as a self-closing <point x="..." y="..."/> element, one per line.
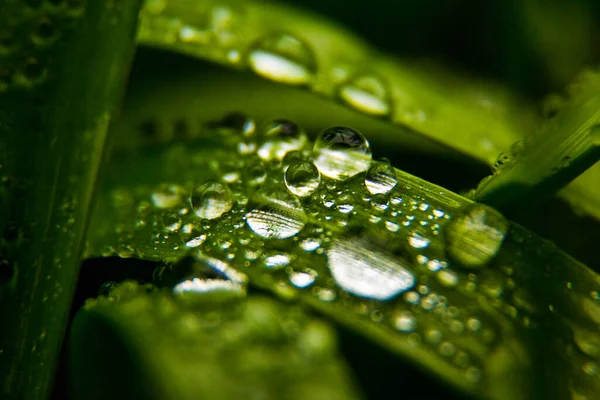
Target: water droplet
<point x="211" y="200"/>
<point x="195" y="242"/>
<point x="474" y="237"/>
<point x="167" y="196"/>
<point x="197" y="292"/>
<point x="381" y="178"/>
<point x="235" y="123"/>
<point x="276" y="260"/>
<point x="281" y="137"/>
<point x="275" y="214"/>
<point x="283" y="58"/>
<point x="171" y="222"/>
<point x="447" y="277"/>
<point x="491" y="283"/>
<point x="345" y="203"/>
<point x="303" y="279"/>
<point x="405" y="322"/>
<point x="418" y="241"/>
<point x="310" y="244"/>
<point x="367" y="272"/>
<point x="366" y="93"/>
<point x="342" y="152"/>
<point x="302" y="178"/>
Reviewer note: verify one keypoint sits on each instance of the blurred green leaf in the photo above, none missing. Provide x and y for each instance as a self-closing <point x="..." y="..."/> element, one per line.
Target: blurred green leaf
<point x="62" y="72"/>
<point x="249" y="348"/>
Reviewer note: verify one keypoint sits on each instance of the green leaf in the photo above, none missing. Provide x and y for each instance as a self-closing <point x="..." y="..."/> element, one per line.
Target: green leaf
<point x="449" y="285"/>
<point x="62" y="72"/>
<point x="246" y="348"/>
<point x="568" y="144"/>
<point x="477" y="119"/>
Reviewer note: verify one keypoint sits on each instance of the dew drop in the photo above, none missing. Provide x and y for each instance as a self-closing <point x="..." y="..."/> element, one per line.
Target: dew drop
<point x="275" y="214"/>
<point x="302" y="178"/>
<point x="276" y="260"/>
<point x="418" y="241"/>
<point x="366" y="93"/>
<point x="447" y="278"/>
<point x="405" y="322"/>
<point x="303" y="279"/>
<point x="196" y="291"/>
<point x="283" y="58"/>
<point x="345" y="203"/>
<point x="381" y="178"/>
<point x="171" y="221"/>
<point x="364" y="271"/>
<point x="341" y="153"/>
<point x="234" y="123"/>
<point x="211" y="200"/>
<point x="167" y="196"/>
<point x="474" y="237"/>
<point x="281" y="137"/>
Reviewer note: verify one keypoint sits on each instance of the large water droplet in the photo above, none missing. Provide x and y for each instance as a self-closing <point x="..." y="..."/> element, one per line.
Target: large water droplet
<point x="364" y="271"/>
<point x="366" y="93"/>
<point x="474" y="237"/>
<point x="302" y="178"/>
<point x="281" y="137"/>
<point x="283" y="58"/>
<point x="275" y="214"/>
<point x="381" y="178"/>
<point x="342" y="152"/>
<point x="211" y="200"/>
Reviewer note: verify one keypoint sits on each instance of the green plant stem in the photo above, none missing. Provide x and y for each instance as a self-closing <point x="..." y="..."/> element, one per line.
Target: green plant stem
<point x="63" y="73"/>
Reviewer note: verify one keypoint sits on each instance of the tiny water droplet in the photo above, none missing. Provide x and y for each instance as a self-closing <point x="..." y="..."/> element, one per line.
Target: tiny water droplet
<point x="303" y="279"/>
<point x="211" y="200"/>
<point x="418" y="241"/>
<point x="171" y="222"/>
<point x="235" y="123"/>
<point x="276" y="260"/>
<point x="381" y="178"/>
<point x="447" y="277"/>
<point x="281" y="137"/>
<point x="167" y="196"/>
<point x="283" y="58"/>
<point x="302" y="178"/>
<point x="341" y="153"/>
<point x="474" y="237"/>
<point x="405" y="322"/>
<point x="366" y="93"/>
<point x="275" y="214"/>
<point x="345" y="203"/>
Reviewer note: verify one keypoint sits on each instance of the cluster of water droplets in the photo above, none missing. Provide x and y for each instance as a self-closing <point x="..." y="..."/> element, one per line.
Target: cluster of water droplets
<point x="327" y="221"/>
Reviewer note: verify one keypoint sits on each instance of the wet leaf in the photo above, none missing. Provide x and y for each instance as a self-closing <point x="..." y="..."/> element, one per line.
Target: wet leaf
<point x="248" y="348"/>
<point x="398" y="266"/>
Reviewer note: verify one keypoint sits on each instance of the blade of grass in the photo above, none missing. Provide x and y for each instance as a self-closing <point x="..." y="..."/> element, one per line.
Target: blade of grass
<point x="62" y="71"/>
<point x="567" y="146"/>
